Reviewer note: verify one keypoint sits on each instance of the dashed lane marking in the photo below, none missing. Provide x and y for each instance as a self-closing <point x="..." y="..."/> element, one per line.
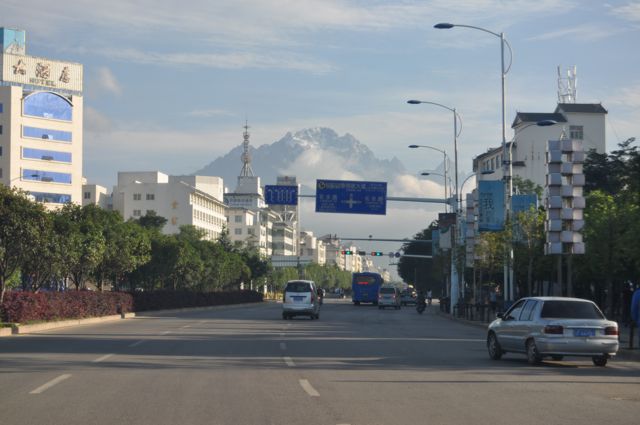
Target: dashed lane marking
<point x="289" y="361"/>
<point x="283" y="346"/>
<point x="306" y="386"/>
<point x="135" y="344"/>
<point x="50" y="384"/>
<point x="99" y="359"/>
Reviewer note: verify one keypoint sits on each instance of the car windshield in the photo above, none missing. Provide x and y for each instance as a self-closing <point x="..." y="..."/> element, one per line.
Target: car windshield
<point x="570" y="310"/>
<point x="298" y="287"/>
<point x="387" y="290"/>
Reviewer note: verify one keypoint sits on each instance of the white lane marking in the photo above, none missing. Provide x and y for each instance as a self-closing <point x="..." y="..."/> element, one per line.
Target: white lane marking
<point x="282" y="334"/>
<point x="289" y="362"/>
<point x="135" y="344"/>
<point x="306" y="386"/>
<point x="105" y="357"/>
<point x="283" y="346"/>
<point x="165" y="332"/>
<point x="186" y="326"/>
<point x="50" y="384"/>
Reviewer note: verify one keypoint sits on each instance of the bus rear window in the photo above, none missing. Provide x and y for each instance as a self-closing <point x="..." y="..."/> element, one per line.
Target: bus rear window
<point x="365" y="280"/>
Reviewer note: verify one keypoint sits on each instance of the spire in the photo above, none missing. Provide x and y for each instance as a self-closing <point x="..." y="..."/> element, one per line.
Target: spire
<point x="246" y="156"/>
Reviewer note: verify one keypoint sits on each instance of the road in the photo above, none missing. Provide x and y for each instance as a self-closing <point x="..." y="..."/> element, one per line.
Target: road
<point x="245" y="365"/>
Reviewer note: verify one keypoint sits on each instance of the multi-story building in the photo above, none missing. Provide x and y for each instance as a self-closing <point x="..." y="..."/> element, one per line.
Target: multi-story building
<point x="182" y="200"/>
<point x="253" y="228"/>
<point x="575" y="121"/>
<point x="333" y="251"/>
<point x="41" y="115"/>
<point x="312" y="248"/>
<point x="96" y="195"/>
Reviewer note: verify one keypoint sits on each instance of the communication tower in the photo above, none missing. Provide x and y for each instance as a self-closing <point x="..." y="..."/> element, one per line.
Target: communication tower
<point x="567" y="85"/>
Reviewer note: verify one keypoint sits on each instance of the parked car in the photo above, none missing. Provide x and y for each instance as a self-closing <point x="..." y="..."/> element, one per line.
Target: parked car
<point x="553" y="327"/>
<point x="408" y="296"/>
<point x="389" y="296"/>
<point x="300" y="298"/>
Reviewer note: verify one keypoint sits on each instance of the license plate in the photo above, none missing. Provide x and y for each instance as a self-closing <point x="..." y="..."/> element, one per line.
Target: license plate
<point x="298" y="299"/>
<point x="584" y="332"/>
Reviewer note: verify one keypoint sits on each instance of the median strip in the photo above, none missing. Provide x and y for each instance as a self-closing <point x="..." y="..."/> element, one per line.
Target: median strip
<point x="50" y="384"/>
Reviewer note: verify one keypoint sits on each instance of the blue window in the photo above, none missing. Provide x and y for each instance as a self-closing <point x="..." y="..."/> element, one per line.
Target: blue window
<point x="47" y="105"/>
<point x="46" y="134"/>
<point x="53" y="198"/>
<point x="0" y="108"/>
<point x="46" y="155"/>
<point x="46" y="176"/>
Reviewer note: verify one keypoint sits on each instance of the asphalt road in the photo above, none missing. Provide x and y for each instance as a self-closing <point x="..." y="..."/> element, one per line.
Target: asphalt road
<point x="245" y="365"/>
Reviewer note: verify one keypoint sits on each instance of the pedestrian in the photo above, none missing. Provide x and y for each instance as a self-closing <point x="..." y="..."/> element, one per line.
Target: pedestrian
<point x="635" y="307"/>
<point x="493" y="299"/>
<point x="429" y="296"/>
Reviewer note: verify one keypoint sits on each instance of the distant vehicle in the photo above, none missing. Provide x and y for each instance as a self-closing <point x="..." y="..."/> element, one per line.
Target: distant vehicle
<point x="553" y="327"/>
<point x="389" y="296"/>
<point x="301" y="299"/>
<point x="365" y="287"/>
<point x="408" y="296"/>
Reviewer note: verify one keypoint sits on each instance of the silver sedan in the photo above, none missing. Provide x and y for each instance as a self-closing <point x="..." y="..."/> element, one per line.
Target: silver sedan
<point x="553" y="327"/>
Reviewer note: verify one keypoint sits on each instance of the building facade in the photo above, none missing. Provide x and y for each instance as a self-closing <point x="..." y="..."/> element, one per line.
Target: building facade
<point x="182" y="200"/>
<point x="41" y="116"/>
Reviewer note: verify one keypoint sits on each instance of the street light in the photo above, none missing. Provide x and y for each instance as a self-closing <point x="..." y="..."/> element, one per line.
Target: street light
<point x="505" y="167"/>
<point x="447" y="182"/>
<point x="455" y="285"/>
<point x="444" y="153"/>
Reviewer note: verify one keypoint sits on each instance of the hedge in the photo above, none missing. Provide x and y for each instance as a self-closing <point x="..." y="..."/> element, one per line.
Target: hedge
<point x="21" y="307"/>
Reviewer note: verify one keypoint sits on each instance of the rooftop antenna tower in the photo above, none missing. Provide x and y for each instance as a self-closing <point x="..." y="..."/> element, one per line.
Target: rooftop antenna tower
<point x="246" y="156"/>
<point x="567" y="85"/>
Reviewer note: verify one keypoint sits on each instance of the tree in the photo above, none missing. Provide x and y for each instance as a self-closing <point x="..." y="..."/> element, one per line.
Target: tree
<point x="22" y="222"/>
<point x="424" y="273"/>
<point x="530" y="228"/>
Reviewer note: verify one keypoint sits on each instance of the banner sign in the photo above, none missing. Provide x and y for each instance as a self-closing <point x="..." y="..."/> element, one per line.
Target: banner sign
<point x="490" y="205"/>
<point x="523" y="203"/>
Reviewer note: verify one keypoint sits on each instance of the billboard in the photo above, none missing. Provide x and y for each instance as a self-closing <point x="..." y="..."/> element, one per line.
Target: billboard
<point x="490" y="205"/>
<point x="35" y="71"/>
<point x="522" y="203"/>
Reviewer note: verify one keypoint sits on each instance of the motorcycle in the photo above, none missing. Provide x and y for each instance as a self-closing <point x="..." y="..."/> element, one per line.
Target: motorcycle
<point x="420" y="307"/>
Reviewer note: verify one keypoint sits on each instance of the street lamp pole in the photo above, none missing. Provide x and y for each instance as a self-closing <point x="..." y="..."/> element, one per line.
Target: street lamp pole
<point x="444" y="154"/>
<point x="508" y="272"/>
<point x="455" y="284"/>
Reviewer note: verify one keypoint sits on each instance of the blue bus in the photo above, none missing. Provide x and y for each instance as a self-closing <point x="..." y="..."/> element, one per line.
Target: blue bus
<point x="364" y="287"/>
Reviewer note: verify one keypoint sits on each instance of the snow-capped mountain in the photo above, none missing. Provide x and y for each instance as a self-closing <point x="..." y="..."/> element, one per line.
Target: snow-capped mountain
<point x="310" y="154"/>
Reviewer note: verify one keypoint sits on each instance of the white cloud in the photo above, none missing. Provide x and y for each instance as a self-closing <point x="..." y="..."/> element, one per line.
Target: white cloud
<point x="629" y="12"/>
<point x="210" y="113"/>
<point x="586" y="33"/>
<point x="106" y="81"/>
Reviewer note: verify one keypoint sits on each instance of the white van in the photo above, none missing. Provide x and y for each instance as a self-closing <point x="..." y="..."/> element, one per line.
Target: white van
<point x="301" y="299"/>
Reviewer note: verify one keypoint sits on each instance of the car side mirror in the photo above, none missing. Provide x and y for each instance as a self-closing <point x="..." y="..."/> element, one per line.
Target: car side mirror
<point x="500" y="315"/>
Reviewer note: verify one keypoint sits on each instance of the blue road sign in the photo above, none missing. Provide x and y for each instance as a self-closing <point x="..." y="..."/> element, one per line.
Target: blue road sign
<point x="351" y="197"/>
<point x="281" y="195"/>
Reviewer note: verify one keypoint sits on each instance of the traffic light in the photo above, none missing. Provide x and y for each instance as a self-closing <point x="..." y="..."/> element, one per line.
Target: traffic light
<point x="362" y="252"/>
<point x="347" y="252"/>
<point x="377" y="253"/>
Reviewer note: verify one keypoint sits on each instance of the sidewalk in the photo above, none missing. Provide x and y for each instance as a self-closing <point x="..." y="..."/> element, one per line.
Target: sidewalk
<point x="624" y="353"/>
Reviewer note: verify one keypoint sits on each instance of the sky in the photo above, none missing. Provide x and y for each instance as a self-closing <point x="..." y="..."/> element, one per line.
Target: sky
<point x="169" y="84"/>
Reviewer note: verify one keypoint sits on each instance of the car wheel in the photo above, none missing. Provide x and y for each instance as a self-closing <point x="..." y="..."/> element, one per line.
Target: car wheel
<point x="533" y="356"/>
<point x="599" y="360"/>
<point x="493" y="346"/>
<point x="557" y="358"/>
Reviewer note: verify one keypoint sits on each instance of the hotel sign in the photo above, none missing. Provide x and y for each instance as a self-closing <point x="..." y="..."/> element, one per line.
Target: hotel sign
<point x="35" y="71"/>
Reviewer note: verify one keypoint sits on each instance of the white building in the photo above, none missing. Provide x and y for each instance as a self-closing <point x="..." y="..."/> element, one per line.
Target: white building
<point x="41" y="115"/>
<point x="333" y="251"/>
<point x="252" y="228"/>
<point x="312" y="249"/>
<point x="182" y="200"/>
<point x="585" y="122"/>
<point x="96" y="195"/>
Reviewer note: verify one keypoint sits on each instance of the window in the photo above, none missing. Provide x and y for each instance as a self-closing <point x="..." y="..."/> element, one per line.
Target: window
<point x="137" y="213"/>
<point x="51" y="198"/>
<point x="238" y="231"/>
<point x="576" y="132"/>
<point x="1" y="108"/>
<point x="46" y="176"/>
<point x="0" y="129"/>
<point x="151" y="212"/>
<point x="46" y="134"/>
<point x="238" y="218"/>
<point x="570" y="310"/>
<point x="0" y="150"/>
<point x="151" y="197"/>
<point x="46" y="155"/>
<point x="47" y="105"/>
<point x="514" y="312"/>
<point x="137" y="196"/>
<point x="87" y="195"/>
<point x="527" y="311"/>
